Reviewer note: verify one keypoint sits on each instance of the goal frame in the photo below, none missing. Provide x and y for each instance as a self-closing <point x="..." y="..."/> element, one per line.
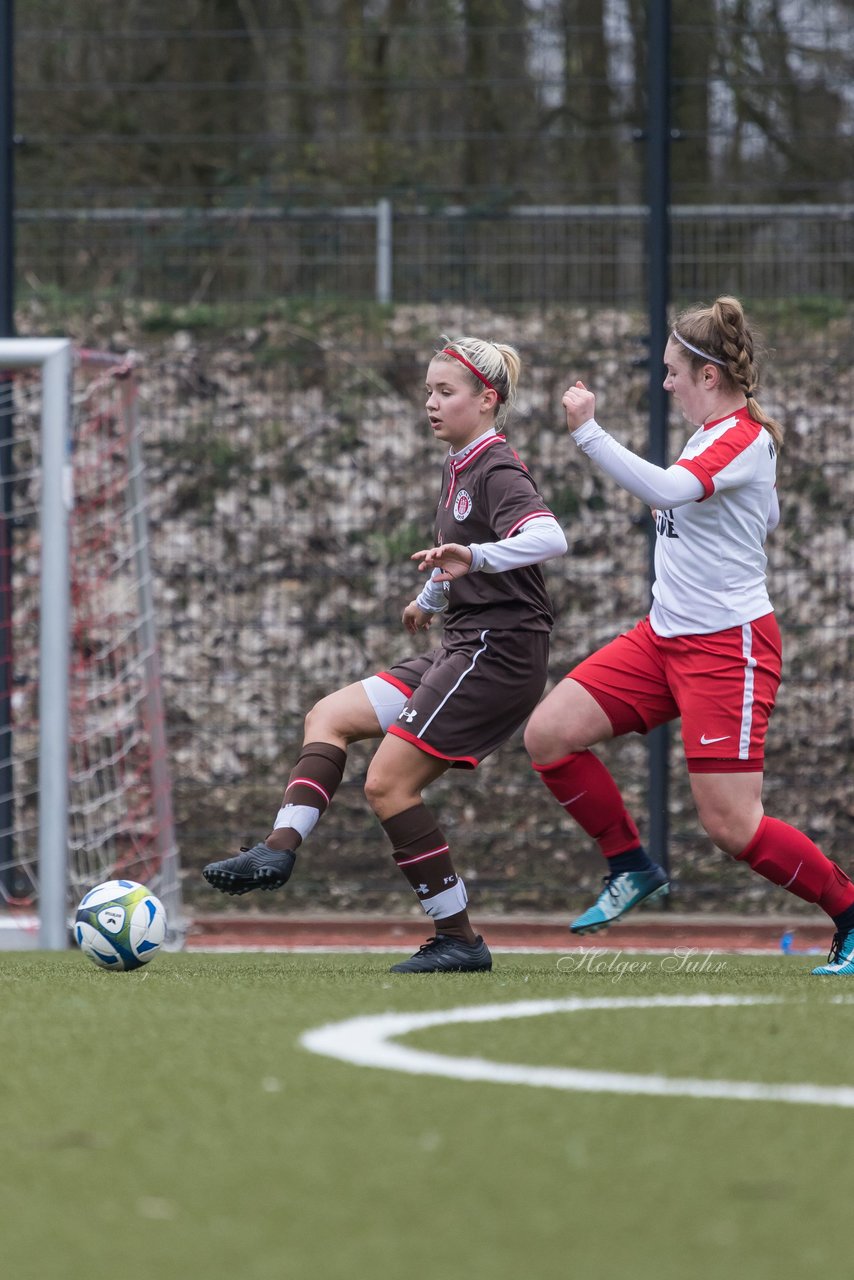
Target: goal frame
<point x="54" y="357"/>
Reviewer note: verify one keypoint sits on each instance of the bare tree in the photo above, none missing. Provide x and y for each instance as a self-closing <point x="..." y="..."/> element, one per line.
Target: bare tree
<point x="588" y="118"/>
<point x="475" y="99"/>
<point x="789" y="88"/>
<point x="497" y="98"/>
<point x="694" y="37"/>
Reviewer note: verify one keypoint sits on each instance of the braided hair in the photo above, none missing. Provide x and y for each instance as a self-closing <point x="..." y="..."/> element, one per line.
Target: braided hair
<point x="722" y="332"/>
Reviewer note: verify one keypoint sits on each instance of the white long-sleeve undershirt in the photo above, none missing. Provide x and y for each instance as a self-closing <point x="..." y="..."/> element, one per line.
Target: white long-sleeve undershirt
<point x="540" y="539"/>
<point x="664" y="487"/>
<point x="660" y="487"/>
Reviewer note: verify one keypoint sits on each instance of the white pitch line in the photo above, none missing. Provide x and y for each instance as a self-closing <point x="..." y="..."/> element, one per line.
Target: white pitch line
<point x="349" y="949"/>
<point x="365" y="1042"/>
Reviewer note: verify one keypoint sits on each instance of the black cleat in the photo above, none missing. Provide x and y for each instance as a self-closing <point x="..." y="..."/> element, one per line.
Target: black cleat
<point x="255" y="868"/>
<point x="444" y="954"/>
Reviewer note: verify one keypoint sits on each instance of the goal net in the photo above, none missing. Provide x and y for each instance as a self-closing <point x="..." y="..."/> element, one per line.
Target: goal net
<point x="84" y="780"/>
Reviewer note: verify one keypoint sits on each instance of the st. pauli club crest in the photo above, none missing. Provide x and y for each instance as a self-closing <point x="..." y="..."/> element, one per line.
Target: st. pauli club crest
<point x="462" y="505"/>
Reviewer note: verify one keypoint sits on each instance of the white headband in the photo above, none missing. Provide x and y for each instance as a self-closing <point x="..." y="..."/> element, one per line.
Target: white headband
<point x="704" y="355"/>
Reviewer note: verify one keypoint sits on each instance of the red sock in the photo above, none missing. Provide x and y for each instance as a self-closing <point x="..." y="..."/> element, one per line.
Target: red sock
<point x="788" y="858"/>
<point x="584" y="787"/>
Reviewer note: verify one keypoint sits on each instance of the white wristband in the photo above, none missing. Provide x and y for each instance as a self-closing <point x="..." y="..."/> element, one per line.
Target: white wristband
<point x="432" y="598"/>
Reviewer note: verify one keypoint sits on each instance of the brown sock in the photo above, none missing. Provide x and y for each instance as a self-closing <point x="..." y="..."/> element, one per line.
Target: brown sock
<point x="314" y="780"/>
<point x="457" y="926"/>
<point x="421" y="852"/>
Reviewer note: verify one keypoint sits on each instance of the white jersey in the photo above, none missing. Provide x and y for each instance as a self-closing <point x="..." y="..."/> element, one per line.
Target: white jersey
<point x="709" y="558"/>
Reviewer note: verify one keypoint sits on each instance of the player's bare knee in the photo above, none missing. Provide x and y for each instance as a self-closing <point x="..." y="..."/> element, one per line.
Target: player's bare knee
<point x="532" y="740"/>
<point x="541" y="742"/>
<point x="545" y="743"/>
<point x="324" y="721"/>
<point x="377" y="788"/>
<point x="729" y="832"/>
<point x="382" y="797"/>
<point x="386" y="792"/>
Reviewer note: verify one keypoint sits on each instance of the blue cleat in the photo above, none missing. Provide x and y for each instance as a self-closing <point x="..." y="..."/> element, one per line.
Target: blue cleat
<point x="841" y="959"/>
<point x="622" y="893"/>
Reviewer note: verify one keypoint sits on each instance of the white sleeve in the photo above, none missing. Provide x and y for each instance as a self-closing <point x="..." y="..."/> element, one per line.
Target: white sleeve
<point x="656" y="486"/>
<point x="432" y="597"/>
<point x="540" y="539"/>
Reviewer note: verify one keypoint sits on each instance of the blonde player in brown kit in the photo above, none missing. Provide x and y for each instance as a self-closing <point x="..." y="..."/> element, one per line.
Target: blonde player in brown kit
<point x="453" y="706"/>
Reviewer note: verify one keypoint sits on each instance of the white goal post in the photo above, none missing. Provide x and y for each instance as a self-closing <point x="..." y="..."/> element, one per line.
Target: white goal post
<point x="85" y="792"/>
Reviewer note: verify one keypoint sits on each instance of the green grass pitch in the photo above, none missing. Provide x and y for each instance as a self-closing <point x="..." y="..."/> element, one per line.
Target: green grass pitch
<point x="168" y="1123"/>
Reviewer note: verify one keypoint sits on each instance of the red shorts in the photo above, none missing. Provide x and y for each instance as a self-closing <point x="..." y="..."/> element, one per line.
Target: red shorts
<point x="723" y="685"/>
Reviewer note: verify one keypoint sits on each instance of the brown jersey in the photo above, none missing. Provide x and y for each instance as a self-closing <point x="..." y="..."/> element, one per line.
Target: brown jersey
<point x="487" y="495"/>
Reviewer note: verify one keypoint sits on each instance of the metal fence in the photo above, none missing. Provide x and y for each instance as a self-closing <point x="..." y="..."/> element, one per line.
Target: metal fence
<point x="519" y="255"/>
<point x="291" y="477"/>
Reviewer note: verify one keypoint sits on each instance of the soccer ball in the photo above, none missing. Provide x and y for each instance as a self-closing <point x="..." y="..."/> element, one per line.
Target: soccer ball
<point x="120" y="925"/>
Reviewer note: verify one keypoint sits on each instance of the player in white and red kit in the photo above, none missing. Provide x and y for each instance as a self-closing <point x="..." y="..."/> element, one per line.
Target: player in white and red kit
<point x="709" y="651"/>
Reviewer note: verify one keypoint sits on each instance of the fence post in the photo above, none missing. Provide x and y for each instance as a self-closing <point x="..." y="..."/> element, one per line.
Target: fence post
<point x="7" y="431"/>
<point x="384" y="251"/>
<point x="658" y="286"/>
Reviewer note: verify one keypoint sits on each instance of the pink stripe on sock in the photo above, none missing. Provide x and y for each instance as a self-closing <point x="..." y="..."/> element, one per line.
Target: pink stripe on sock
<point x="406" y="862"/>
<point x="307" y="782"/>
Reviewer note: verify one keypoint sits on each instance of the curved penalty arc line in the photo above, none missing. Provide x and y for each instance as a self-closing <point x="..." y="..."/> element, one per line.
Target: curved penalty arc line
<point x="368" y="1041"/>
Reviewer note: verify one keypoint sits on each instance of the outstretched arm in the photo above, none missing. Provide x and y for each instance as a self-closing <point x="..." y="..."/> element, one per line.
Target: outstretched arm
<point x="540" y="539"/>
<point x="660" y="487"/>
<point x="446" y="562"/>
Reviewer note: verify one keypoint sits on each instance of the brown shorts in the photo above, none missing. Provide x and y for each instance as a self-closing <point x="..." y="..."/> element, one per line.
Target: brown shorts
<point x="468" y="697"/>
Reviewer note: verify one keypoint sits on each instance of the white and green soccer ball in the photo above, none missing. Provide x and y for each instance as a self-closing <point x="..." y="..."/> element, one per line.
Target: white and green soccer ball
<point x="120" y="925"/>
